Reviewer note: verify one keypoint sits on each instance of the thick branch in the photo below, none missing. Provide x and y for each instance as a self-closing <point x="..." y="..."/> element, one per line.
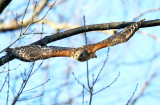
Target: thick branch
<point x="75" y="31"/>
<point x="4" y="4"/>
<point x="96" y="27"/>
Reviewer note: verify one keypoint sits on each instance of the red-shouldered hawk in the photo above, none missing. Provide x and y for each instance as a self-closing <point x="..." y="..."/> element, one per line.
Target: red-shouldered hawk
<point x="32" y="53"/>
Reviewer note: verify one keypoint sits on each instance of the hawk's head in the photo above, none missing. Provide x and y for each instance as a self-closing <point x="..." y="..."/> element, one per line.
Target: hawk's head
<point x="83" y="55"/>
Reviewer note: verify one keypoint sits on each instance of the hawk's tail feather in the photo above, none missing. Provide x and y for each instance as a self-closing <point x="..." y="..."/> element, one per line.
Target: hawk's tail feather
<point x="9" y="51"/>
<point x="135" y="25"/>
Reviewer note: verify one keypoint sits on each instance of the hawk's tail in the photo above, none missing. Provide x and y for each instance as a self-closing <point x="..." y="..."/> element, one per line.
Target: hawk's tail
<point x="9" y="51"/>
<point x="135" y="26"/>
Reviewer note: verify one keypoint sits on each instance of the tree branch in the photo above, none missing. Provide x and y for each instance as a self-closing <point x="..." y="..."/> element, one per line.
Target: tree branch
<point x="96" y="27"/>
<point x="4" y="4"/>
<point x="75" y="31"/>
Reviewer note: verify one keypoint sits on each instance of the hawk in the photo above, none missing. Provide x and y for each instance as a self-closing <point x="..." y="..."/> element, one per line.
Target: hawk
<point x="32" y="53"/>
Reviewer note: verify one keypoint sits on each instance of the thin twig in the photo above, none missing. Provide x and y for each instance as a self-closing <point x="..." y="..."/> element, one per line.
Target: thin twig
<point x="83" y="96"/>
<point x="85" y="36"/>
<point x="21" y="33"/>
<point x="102" y="67"/>
<point x="144" y="12"/>
<point x="37" y="67"/>
<point x="25" y="11"/>
<point x="42" y="30"/>
<point x="8" y="76"/>
<point x="146" y="84"/>
<point x="132" y="95"/>
<point x="13" y="91"/>
<point x="80" y="82"/>
<point x="46" y="12"/>
<point x="150" y="35"/>
<point x="25" y="80"/>
<point x="31" y="97"/>
<point x="88" y="81"/>
<point x="37" y="86"/>
<point x="3" y="83"/>
<point x="108" y="85"/>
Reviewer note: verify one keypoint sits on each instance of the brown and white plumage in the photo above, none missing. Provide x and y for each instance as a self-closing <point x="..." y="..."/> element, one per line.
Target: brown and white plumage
<point x="32" y="53"/>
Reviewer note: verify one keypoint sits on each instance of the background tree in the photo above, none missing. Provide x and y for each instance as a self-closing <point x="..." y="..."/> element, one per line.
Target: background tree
<point x="66" y="81"/>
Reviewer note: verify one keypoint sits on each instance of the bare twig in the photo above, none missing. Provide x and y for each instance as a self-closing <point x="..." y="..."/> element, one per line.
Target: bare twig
<point x="58" y="3"/>
<point x="101" y="68"/>
<point x="37" y="67"/>
<point x="3" y="83"/>
<point x="42" y="30"/>
<point x="25" y="11"/>
<point x="143" y="88"/>
<point x="88" y="81"/>
<point x="80" y="82"/>
<point x="25" y="80"/>
<point x="13" y="91"/>
<point x="85" y="36"/>
<point x="13" y="24"/>
<point x="16" y="39"/>
<point x="37" y="86"/>
<point x="83" y="96"/>
<point x="46" y="12"/>
<point x="8" y="76"/>
<point x="132" y="95"/>
<point x="31" y="97"/>
<point x="144" y="12"/>
<point x="21" y="33"/>
<point x="108" y="85"/>
<point x="150" y="35"/>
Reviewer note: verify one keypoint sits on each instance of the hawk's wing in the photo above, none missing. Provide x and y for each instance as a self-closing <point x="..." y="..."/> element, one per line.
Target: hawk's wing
<point x="36" y="52"/>
<point x="121" y="37"/>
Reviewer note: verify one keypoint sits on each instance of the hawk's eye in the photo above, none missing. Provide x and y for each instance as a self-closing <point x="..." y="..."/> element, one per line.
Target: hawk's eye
<point x="81" y="54"/>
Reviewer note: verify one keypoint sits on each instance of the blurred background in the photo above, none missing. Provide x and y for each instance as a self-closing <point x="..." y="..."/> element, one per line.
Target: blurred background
<point x="135" y="64"/>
